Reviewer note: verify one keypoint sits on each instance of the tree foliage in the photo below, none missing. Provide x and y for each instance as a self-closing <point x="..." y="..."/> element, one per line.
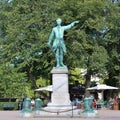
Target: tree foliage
<point x="92" y="44"/>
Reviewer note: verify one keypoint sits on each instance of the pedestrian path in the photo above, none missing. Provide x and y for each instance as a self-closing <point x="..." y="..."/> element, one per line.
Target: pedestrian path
<point x="103" y="114"/>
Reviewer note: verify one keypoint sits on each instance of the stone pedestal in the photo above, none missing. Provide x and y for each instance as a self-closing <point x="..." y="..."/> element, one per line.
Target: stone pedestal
<point x="60" y="98"/>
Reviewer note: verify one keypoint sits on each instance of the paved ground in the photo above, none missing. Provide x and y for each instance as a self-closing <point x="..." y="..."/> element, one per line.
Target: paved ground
<point x="102" y="115"/>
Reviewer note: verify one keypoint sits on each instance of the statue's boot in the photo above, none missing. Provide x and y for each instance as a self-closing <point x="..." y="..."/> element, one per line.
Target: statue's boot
<point x="57" y="66"/>
<point x="63" y="65"/>
<point x="58" y="62"/>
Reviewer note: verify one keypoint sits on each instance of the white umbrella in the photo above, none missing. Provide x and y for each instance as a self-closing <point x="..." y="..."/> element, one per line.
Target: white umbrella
<point x="47" y="88"/>
<point x="102" y="87"/>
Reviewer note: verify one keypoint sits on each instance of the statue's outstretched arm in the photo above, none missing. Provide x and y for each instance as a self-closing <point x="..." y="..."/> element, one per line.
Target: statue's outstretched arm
<point x="70" y="25"/>
<point x="75" y="22"/>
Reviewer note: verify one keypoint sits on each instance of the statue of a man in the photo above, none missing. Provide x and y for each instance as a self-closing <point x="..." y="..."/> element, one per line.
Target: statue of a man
<point x="58" y="46"/>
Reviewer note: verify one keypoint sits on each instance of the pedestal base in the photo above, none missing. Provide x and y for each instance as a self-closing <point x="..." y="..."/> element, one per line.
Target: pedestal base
<point x="60" y="98"/>
<point x="26" y="114"/>
<point x="85" y="114"/>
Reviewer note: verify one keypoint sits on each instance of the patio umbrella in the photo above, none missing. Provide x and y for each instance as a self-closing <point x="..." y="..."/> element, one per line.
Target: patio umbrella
<point x="102" y="87"/>
<point x="47" y="88"/>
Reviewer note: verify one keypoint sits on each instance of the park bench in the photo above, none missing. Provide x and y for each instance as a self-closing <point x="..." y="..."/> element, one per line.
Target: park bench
<point x="8" y="106"/>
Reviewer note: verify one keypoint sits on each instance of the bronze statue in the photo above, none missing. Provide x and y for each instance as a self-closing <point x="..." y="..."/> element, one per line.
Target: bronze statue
<point x="58" y="46"/>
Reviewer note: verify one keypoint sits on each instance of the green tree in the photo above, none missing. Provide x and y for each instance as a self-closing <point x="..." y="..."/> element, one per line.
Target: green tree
<point x="112" y="42"/>
<point x="25" y="26"/>
<point x="25" y="42"/>
<point x="82" y="43"/>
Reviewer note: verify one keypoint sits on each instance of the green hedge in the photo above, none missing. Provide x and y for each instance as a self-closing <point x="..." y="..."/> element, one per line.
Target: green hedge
<point x="15" y="104"/>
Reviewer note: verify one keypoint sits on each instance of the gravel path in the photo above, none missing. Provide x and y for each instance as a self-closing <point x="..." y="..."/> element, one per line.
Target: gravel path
<point x="102" y="115"/>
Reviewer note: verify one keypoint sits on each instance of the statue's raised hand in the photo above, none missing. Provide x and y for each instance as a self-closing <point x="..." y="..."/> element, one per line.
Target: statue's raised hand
<point x="77" y="21"/>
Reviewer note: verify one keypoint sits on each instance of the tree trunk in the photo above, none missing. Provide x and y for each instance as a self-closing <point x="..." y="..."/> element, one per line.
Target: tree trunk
<point x="88" y="75"/>
<point x="33" y="80"/>
<point x="87" y="83"/>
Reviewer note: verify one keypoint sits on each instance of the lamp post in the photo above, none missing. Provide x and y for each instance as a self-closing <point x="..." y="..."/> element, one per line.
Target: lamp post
<point x="22" y="82"/>
<point x="22" y="95"/>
